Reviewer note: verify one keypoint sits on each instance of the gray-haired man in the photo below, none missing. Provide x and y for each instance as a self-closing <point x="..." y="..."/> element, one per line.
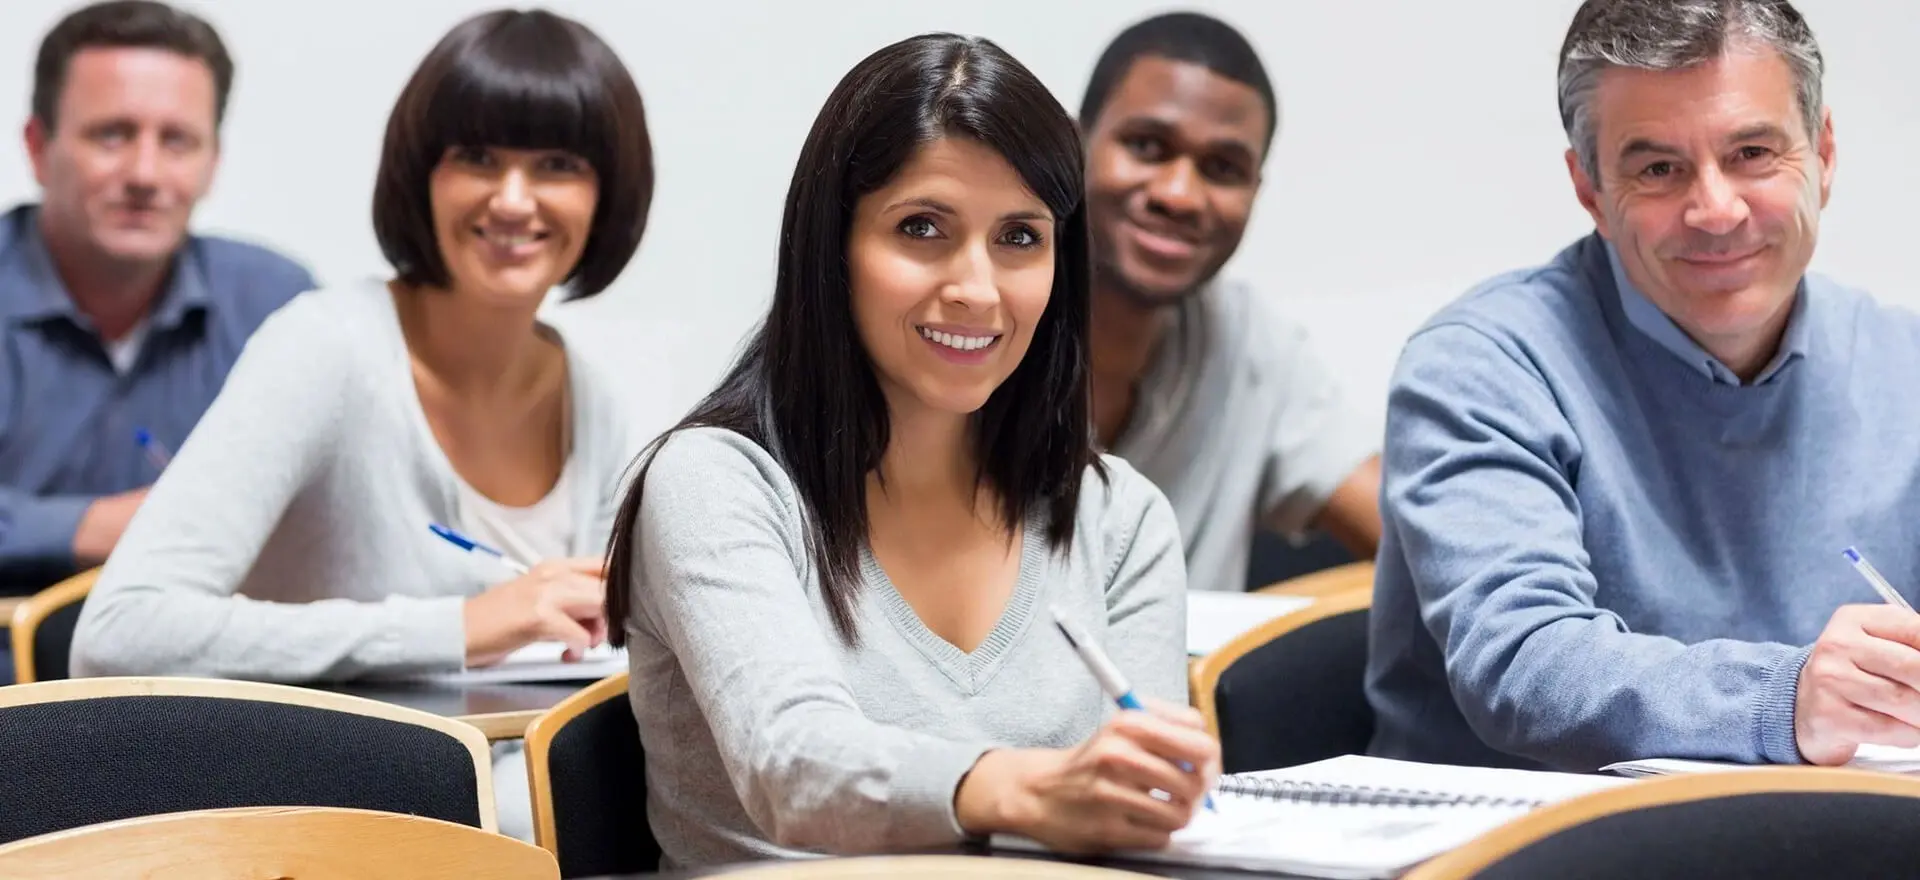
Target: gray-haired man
<point x="1618" y="486"/>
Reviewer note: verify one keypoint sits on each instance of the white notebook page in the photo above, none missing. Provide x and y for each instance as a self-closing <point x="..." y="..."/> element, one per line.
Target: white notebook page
<point x="1886" y="759"/>
<point x="541" y="661"/>
<point x="1341" y="841"/>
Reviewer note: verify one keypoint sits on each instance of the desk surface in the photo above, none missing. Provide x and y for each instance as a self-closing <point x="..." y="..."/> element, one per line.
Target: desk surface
<point x="501" y="711"/>
<point x="1149" y="869"/>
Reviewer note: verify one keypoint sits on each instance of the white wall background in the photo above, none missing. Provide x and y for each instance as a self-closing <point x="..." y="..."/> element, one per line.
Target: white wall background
<point x="1419" y="148"/>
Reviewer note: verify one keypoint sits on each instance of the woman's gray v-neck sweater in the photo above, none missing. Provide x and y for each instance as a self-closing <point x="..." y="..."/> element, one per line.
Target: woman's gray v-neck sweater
<point x="766" y="735"/>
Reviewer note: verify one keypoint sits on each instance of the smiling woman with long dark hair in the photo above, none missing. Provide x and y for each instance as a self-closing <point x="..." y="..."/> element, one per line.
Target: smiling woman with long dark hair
<point x="834" y="576"/>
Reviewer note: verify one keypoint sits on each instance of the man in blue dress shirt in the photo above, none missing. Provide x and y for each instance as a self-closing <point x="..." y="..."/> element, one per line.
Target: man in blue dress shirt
<point x="113" y="318"/>
<point x="1618" y="486"/>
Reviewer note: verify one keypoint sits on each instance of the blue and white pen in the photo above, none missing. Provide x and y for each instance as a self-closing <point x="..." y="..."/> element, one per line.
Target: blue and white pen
<point x="156" y="451"/>
<point x="1104" y="671"/>
<point x="1880" y="585"/>
<point x="471" y="546"/>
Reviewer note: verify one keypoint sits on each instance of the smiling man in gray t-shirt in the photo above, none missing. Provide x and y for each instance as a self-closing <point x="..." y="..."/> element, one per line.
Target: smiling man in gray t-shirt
<point x="1201" y="384"/>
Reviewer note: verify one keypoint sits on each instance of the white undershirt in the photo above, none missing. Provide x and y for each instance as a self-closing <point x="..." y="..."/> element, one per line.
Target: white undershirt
<point x="543" y="530"/>
<point x="540" y="531"/>
<point x="124" y="351"/>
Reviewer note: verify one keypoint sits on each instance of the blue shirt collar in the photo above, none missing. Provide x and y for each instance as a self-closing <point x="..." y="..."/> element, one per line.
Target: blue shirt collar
<point x="1654" y="324"/>
<point x="30" y="289"/>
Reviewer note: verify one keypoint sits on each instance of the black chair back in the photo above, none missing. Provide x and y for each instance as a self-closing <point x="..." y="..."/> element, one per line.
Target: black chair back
<point x="78" y="761"/>
<point x="1781" y="834"/>
<point x="1297" y="698"/>
<point x="596" y="780"/>
<point x="53" y="642"/>
<point x="41" y="628"/>
<point x="1274" y="558"/>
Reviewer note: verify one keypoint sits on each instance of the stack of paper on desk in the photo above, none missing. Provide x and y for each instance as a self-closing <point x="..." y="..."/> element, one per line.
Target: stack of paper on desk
<point x="541" y="661"/>
<point x="1214" y="619"/>
<point x="1886" y="759"/>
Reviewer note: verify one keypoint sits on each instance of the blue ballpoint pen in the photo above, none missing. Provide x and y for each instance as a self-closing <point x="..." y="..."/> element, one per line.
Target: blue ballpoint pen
<point x="1104" y="671"/>
<point x="471" y="546"/>
<point x="157" y="454"/>
<point x="1873" y="576"/>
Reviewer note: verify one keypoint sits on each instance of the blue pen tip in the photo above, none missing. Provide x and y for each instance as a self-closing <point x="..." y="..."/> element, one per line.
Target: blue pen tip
<point x="141" y="436"/>
<point x="1851" y="554"/>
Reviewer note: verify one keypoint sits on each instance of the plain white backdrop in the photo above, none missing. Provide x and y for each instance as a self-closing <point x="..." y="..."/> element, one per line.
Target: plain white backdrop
<point x="1419" y="147"/>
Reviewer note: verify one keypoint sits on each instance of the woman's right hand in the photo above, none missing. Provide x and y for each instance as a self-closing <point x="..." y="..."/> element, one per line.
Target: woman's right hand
<point x="558" y="600"/>
<point x="1097" y="796"/>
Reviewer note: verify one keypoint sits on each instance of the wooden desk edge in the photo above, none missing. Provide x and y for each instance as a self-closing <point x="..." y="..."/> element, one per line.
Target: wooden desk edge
<point x="502" y="725"/>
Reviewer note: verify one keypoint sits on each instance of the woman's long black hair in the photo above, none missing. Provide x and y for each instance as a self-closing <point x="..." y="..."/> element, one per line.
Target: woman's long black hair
<point x="804" y="387"/>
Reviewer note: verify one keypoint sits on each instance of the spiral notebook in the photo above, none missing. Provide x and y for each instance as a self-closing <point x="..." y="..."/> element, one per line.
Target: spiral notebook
<point x="1354" y="816"/>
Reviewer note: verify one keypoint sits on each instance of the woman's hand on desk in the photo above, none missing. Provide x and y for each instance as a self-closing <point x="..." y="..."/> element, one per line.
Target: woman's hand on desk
<point x="559" y="600"/>
<point x="1097" y="796"/>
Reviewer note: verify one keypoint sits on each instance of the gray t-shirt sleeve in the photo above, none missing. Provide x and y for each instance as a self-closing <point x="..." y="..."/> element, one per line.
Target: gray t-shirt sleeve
<point x="166" y="601"/>
<point x="1315" y="440"/>
<point x="721" y="561"/>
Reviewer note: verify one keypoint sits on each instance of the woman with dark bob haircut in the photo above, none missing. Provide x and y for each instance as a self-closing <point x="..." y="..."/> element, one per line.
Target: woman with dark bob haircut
<point x="289" y="539"/>
<point x="836" y="578"/>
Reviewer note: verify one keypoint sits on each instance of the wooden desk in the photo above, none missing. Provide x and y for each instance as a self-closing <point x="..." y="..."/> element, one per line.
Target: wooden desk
<point x="501" y="711"/>
<point x="1146" y="869"/>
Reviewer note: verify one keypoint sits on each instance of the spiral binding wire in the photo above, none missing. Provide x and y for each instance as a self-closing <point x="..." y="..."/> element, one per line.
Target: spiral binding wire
<point x="1302" y="792"/>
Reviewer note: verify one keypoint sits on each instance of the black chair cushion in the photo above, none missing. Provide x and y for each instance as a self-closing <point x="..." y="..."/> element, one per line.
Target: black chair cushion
<point x="599" y="777"/>
<point x="1777" y="834"/>
<point x="1298" y="698"/>
<point x="82" y="762"/>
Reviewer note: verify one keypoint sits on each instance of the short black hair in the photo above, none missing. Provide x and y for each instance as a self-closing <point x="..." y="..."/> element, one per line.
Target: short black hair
<point x="520" y="80"/>
<point x="1180" y="36"/>
<point x="805" y="388"/>
<point x="126" y="24"/>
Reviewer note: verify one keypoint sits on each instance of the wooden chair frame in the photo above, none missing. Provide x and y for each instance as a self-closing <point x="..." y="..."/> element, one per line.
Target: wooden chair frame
<point x="1204" y="674"/>
<point x="1502" y="842"/>
<point x="105" y="688"/>
<point x="276" y="842"/>
<point x="1325" y="582"/>
<point x="539" y="744"/>
<point x="31" y="611"/>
